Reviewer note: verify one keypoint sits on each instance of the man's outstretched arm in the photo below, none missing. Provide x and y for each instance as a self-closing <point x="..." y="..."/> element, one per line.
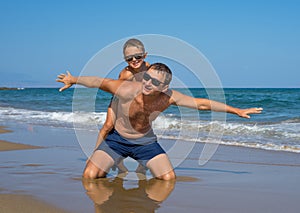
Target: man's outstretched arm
<point x="206" y="104"/>
<point x="106" y="84"/>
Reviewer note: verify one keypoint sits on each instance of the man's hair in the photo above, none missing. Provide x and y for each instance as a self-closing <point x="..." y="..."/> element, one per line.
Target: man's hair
<point x="133" y="42"/>
<point x="160" y="67"/>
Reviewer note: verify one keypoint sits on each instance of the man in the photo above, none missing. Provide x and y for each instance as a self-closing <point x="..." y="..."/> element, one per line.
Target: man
<point x="139" y="104"/>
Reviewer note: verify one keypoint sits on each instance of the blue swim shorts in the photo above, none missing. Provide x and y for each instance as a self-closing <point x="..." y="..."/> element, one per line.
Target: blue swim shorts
<point x="141" y="149"/>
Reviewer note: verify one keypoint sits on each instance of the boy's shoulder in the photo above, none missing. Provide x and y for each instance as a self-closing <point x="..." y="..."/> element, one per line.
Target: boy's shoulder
<point x="126" y="74"/>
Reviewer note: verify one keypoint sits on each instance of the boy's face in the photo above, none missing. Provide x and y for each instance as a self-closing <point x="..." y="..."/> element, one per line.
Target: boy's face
<point x="134" y="57"/>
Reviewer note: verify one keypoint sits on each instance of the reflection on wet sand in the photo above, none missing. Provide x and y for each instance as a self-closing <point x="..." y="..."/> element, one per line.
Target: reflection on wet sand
<point x="110" y="195"/>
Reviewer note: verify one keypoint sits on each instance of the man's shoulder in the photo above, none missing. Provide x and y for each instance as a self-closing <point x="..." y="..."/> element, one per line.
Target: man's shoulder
<point x="166" y="96"/>
<point x="174" y="96"/>
<point x="129" y="88"/>
<point x="169" y="92"/>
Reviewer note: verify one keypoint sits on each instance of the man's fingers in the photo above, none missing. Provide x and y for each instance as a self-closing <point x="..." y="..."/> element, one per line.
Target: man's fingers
<point x="60" y="77"/>
<point x="258" y="110"/>
<point x="245" y="115"/>
<point x="251" y="111"/>
<point x="63" y="78"/>
<point x="64" y="87"/>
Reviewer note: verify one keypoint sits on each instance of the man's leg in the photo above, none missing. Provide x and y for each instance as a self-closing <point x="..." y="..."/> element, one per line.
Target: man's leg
<point x="106" y="128"/>
<point x="161" y="167"/>
<point x="98" y="165"/>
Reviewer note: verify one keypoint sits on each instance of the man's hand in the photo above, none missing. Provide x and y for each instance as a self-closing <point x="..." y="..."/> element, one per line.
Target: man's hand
<point x="68" y="80"/>
<point x="244" y="112"/>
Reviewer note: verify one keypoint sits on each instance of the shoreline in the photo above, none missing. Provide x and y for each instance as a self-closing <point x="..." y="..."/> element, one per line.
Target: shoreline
<point x="10" y="146"/>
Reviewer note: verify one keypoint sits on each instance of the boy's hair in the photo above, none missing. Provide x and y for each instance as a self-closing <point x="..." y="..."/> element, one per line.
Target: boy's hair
<point x="160" y="67"/>
<point x="133" y="42"/>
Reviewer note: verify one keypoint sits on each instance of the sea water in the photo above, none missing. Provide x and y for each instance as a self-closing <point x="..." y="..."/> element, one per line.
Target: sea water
<point x="277" y="128"/>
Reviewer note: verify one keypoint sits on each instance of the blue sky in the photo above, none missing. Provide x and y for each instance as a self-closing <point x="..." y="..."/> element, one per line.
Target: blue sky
<point x="249" y="43"/>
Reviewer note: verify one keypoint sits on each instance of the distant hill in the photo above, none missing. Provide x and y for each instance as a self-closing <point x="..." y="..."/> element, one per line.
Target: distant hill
<point x="8" y="88"/>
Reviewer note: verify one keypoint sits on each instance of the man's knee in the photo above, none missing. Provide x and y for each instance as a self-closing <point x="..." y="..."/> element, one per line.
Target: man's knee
<point x="161" y="167"/>
<point x="168" y="176"/>
<point x="89" y="174"/>
<point x="92" y="172"/>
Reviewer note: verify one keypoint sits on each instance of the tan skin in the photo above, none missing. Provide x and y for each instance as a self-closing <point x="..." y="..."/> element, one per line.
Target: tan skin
<point x="139" y="104"/>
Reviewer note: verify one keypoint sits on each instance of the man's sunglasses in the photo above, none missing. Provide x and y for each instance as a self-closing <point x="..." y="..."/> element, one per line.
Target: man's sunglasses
<point x="136" y="56"/>
<point x="154" y="81"/>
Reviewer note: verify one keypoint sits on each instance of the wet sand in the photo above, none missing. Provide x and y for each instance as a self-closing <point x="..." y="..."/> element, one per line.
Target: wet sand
<point x="11" y="203"/>
<point x="236" y="179"/>
<point x="8" y="146"/>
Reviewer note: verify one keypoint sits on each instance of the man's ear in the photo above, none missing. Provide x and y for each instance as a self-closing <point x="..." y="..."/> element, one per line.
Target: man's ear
<point x="145" y="54"/>
<point x="165" y="88"/>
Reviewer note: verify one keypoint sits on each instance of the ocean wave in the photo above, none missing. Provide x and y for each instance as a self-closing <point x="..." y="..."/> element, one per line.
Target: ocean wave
<point x="292" y="120"/>
<point x="266" y="146"/>
<point x="164" y="121"/>
<point x="283" y="135"/>
<point x="51" y="118"/>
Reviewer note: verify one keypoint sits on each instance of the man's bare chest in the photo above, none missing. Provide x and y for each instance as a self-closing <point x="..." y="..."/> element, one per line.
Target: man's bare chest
<point x="139" y="110"/>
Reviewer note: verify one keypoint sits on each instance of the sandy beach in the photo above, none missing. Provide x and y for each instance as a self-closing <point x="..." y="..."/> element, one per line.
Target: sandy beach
<point x="48" y="179"/>
<point x="11" y="203"/>
<point x="9" y="146"/>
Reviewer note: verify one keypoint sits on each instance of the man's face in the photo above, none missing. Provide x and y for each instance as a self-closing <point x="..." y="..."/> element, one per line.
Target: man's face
<point x="153" y="82"/>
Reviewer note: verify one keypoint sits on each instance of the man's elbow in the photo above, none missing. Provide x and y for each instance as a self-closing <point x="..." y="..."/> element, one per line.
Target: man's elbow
<point x="203" y="107"/>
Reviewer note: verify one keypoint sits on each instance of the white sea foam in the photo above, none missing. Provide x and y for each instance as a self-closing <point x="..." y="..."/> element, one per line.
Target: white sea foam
<point x="283" y="136"/>
<point x="50" y="118"/>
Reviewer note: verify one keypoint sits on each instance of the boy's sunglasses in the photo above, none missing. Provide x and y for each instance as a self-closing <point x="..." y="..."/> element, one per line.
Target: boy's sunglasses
<point x="136" y="56"/>
<point x="154" y="81"/>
